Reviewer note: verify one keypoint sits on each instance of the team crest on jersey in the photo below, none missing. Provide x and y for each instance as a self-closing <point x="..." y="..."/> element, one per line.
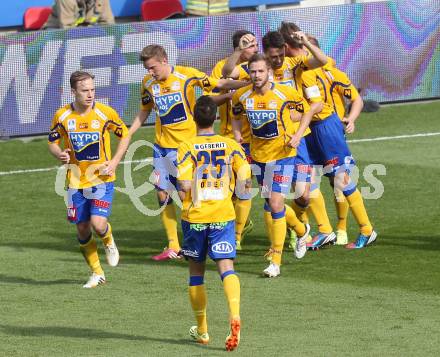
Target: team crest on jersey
<point x="175" y="85"/>
<point x="273" y="104"/>
<point x="155" y="89"/>
<point x="95" y="124"/>
<point x="170" y="108"/>
<point x="250" y="103"/>
<point x="71" y="124"/>
<point x="263" y="123"/>
<point x="287" y="73"/>
<point x="86" y="145"/>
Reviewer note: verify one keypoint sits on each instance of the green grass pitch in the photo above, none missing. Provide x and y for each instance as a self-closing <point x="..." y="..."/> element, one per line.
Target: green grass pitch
<point x="379" y="301"/>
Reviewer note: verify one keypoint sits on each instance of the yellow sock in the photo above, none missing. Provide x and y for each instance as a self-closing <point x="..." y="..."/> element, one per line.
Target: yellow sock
<point x="317" y="207"/>
<point x="197" y="296"/>
<point x="268" y="221"/>
<point x="169" y="221"/>
<point x="107" y="238"/>
<point x="357" y="207"/>
<point x="293" y="222"/>
<point x="301" y="212"/>
<point x="342" y="208"/>
<point x="231" y="285"/>
<point x="242" y="209"/>
<point x="278" y="236"/>
<point x="90" y="253"/>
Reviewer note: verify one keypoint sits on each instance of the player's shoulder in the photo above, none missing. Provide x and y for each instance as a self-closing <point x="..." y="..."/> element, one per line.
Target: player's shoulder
<point x="217" y="69"/>
<point x="339" y="75"/>
<point x="283" y="91"/>
<point x="147" y="81"/>
<point x="184" y="72"/>
<point x="231" y="144"/>
<point x="243" y="92"/>
<point x="106" y="112"/>
<point x="63" y="112"/>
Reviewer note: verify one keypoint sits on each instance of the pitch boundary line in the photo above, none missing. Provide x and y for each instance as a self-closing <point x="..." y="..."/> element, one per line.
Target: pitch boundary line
<point x="354" y="141"/>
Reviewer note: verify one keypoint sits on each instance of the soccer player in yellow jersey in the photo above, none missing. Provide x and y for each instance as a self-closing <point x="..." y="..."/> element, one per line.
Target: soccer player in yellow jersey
<point x="83" y="126"/>
<point x="328" y="148"/>
<point x="170" y="91"/>
<point x="288" y="71"/>
<point x="341" y="90"/>
<point x="242" y="206"/>
<point x="209" y="167"/>
<point x="274" y="140"/>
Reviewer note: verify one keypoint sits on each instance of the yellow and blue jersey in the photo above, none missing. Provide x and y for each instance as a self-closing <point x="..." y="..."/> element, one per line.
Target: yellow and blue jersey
<point x="285" y="75"/>
<point x="269" y="118"/>
<point x="212" y="163"/>
<point x="341" y="88"/>
<point x="309" y="83"/>
<point x="88" y="138"/>
<point x="225" y="110"/>
<point x="173" y="100"/>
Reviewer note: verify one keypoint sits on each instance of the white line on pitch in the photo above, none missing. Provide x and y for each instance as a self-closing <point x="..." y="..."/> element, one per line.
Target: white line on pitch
<point x="382" y="138"/>
<point x="2" y="173"/>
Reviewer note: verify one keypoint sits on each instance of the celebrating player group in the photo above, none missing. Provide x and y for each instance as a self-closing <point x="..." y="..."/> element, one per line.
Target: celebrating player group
<point x="283" y="120"/>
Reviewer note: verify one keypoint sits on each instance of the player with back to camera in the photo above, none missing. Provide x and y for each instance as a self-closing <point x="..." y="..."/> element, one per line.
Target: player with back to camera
<point x="244" y="44"/>
<point x="210" y="166"/>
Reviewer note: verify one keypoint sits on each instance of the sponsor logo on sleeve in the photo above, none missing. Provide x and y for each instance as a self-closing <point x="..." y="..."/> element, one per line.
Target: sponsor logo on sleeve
<point x="54" y="136"/>
<point x="205" y="82"/>
<point x="347" y="93"/>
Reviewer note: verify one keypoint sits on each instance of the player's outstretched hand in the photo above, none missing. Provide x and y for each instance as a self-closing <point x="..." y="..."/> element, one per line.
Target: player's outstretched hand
<point x="64" y="156"/>
<point x="294" y="140"/>
<point x="349" y="125"/>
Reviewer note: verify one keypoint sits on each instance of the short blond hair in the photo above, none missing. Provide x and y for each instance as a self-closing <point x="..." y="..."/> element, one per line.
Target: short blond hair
<point x="153" y="51"/>
<point x="79" y="76"/>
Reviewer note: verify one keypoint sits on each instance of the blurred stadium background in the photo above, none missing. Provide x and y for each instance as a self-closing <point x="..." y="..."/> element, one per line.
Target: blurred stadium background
<point x="381" y="301"/>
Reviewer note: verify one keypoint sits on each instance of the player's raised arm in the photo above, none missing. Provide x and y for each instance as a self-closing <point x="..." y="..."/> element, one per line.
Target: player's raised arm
<point x="230" y="84"/>
<point x="245" y="45"/>
<point x="319" y="58"/>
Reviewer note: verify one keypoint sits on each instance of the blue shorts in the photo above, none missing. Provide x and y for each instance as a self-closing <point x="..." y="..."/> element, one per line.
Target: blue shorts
<point x="247" y="151"/>
<point x="165" y="168"/>
<point x="327" y="145"/>
<point x="216" y="239"/>
<point x="275" y="176"/>
<point x="303" y="163"/>
<point x="92" y="201"/>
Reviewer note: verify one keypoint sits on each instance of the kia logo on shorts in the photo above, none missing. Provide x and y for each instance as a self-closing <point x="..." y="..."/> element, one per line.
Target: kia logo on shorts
<point x="222" y="248"/>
